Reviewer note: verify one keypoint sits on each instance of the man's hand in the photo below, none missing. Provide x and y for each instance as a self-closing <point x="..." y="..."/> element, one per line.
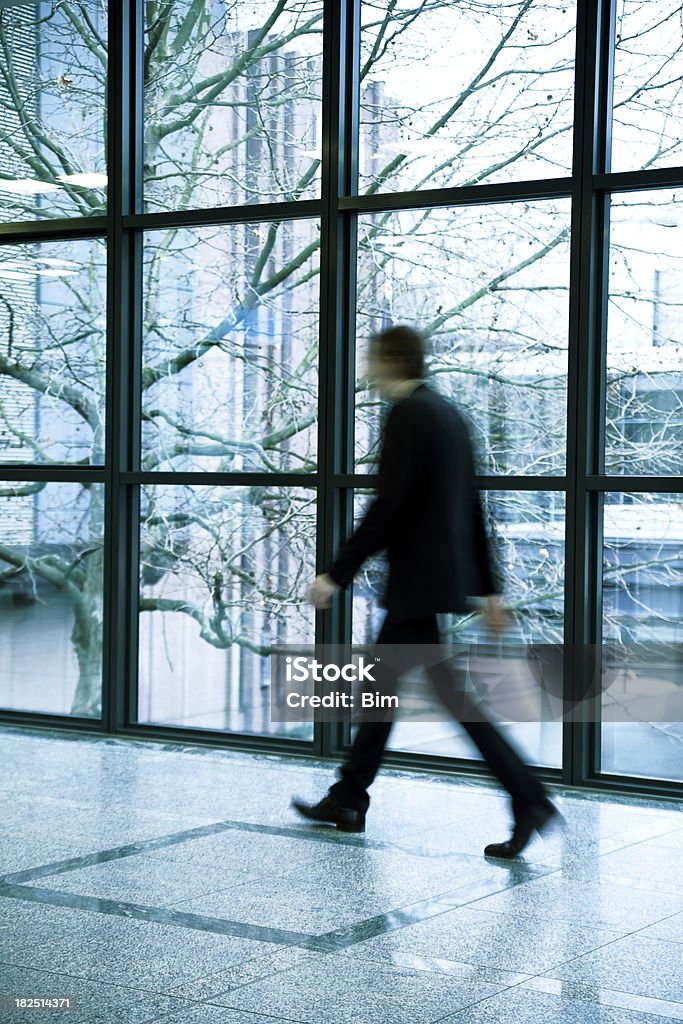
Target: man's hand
<point x="321" y="591"/>
<point x="496" y="614"/>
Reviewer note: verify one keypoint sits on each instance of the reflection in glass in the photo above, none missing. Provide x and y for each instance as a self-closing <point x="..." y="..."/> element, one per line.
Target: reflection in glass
<point x="231" y="348"/>
<point x="489" y="287"/>
<point x="232" y="102"/>
<point x="51" y="556"/>
<point x="644" y="433"/>
<point x="527" y="536"/>
<point x="52" y="352"/>
<point x="53" y="72"/>
<point x="223" y="572"/>
<point x="643" y="608"/>
<point x="455" y="94"/>
<point x="647" y="130"/>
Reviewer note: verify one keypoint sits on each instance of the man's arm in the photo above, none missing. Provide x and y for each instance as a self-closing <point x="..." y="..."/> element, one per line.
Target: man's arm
<point x="398" y="471"/>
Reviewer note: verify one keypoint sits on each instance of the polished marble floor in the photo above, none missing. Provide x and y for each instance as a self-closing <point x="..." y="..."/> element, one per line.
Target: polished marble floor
<point x="150" y="882"/>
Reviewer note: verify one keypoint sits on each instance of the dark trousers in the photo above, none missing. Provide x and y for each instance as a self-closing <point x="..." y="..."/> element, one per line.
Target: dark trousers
<point x="367" y="750"/>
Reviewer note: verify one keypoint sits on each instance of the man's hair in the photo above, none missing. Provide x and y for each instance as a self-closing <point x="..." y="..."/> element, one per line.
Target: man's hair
<point x="404" y="344"/>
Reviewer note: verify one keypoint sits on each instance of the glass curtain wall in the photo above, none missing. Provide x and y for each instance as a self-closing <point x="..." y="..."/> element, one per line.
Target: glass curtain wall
<point x="205" y="210"/>
<point x="53" y="356"/>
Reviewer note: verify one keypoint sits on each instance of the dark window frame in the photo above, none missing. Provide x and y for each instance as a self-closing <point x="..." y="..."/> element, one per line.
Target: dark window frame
<point x="584" y="483"/>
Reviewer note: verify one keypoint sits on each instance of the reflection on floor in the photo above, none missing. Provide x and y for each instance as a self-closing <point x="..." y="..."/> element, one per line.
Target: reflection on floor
<point x="160" y="883"/>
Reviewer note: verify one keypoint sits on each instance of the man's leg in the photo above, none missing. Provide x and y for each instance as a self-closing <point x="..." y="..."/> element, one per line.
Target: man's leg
<point x="365" y="755"/>
<point x="361" y="766"/>
<point x="530" y="804"/>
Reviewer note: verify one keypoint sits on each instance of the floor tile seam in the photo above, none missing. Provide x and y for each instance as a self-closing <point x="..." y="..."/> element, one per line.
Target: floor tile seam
<point x="607" y="989"/>
<point x="525" y="982"/>
<point x="657" y="938"/>
<point x="638" y="842"/>
<point x="254" y="981"/>
<point x="294" y="872"/>
<point x="527" y="987"/>
<point x="605" y="927"/>
<point x="588" y="952"/>
<point x="507" y="914"/>
<point x="613" y="798"/>
<point x="144" y="989"/>
<point x="600" y="988"/>
<point x="160" y="906"/>
<point x="69" y="975"/>
<point x="247" y="880"/>
<point x="185" y="1005"/>
<point x="504" y="888"/>
<point x="637" y="884"/>
<point x="392" y="846"/>
<point x="266" y="1018"/>
<point x="164" y="1014"/>
<point x="342" y="942"/>
<point x="214" y="892"/>
<point x="297" y="1020"/>
<point x="142" y="912"/>
<point x="527" y="977"/>
<point x="588" y="924"/>
<point x="96" y="981"/>
<point x="475" y="1002"/>
<point x="500" y="913"/>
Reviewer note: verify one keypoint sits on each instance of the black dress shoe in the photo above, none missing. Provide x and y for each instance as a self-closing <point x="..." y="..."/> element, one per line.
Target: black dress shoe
<point x="536" y="818"/>
<point x="329" y="812"/>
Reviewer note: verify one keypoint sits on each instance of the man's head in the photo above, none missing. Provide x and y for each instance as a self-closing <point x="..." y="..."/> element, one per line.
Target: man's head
<point x="395" y="354"/>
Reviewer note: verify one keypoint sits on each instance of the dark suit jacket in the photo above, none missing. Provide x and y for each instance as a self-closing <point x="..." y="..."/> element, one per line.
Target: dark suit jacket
<point x="427" y="513"/>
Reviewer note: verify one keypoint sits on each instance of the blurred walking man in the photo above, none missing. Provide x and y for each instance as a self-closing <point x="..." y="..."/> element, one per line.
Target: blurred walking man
<point x="428" y="516"/>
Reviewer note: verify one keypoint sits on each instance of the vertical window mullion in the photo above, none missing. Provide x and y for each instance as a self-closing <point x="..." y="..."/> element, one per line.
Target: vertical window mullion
<point x="586" y="325"/>
<point x="118" y="547"/>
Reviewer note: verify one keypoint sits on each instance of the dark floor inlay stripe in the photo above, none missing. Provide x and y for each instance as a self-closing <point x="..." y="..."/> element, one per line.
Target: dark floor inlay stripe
<point x="59" y="867"/>
<point x="382" y="924"/>
<point x="141" y="912"/>
<point x="309" y="833"/>
<point x="327" y="942"/>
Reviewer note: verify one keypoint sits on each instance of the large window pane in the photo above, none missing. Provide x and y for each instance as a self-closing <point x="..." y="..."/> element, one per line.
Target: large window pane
<point x="222" y="577"/>
<point x="463" y="93"/>
<point x="231" y="348"/>
<point x="52" y="109"/>
<point x="527" y="531"/>
<point x="643" y="611"/>
<point x="51" y="597"/>
<point x="647" y="130"/>
<point x="52" y="356"/>
<point x="645" y="335"/>
<point x="489" y="287"/>
<point x="232" y="102"/>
